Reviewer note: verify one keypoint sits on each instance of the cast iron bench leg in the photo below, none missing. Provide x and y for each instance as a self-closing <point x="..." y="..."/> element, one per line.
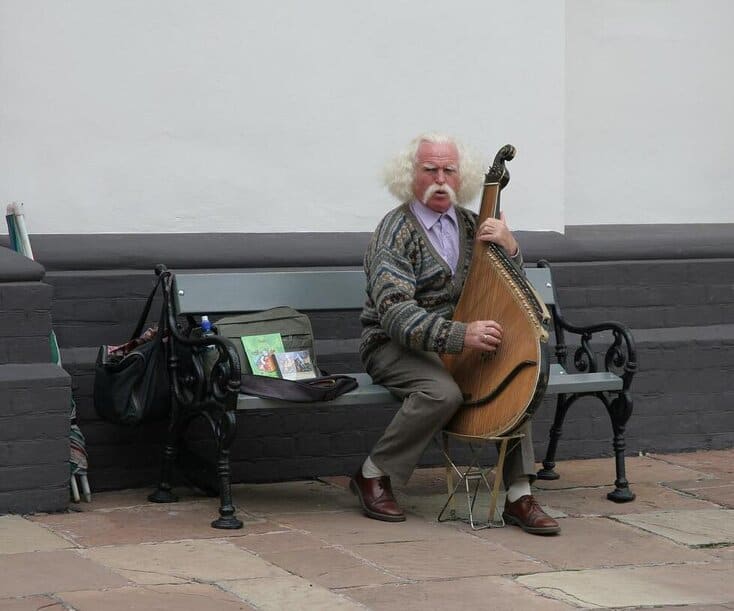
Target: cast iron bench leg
<point x="620" y="410"/>
<point x="163" y="493"/>
<point x="225" y="435"/>
<point x="548" y="471"/>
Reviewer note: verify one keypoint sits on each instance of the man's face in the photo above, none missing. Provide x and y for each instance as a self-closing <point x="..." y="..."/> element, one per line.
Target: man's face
<point x="436" y="175"/>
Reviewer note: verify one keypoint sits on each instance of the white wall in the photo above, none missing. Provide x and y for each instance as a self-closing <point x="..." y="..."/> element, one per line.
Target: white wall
<point x="226" y="115"/>
<point x="649" y="111"/>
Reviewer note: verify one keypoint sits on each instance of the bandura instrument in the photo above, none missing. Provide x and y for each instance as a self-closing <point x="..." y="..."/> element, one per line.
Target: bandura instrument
<point x="501" y="388"/>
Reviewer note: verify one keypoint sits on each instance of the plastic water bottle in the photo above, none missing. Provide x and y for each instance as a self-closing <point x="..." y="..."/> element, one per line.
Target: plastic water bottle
<point x="210" y="353"/>
<point x="206" y="326"/>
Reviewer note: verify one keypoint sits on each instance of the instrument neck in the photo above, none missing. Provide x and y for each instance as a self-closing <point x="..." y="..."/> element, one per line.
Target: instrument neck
<point x="490" y="206"/>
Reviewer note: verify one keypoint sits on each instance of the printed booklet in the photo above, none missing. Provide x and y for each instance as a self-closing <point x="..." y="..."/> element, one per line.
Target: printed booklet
<point x="261" y="350"/>
<point x="295" y="365"/>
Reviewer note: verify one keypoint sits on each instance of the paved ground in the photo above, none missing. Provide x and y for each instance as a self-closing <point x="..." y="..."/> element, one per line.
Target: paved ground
<point x="306" y="546"/>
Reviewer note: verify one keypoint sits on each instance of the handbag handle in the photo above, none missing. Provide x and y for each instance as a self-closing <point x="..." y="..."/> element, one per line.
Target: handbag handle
<point x="146" y="309"/>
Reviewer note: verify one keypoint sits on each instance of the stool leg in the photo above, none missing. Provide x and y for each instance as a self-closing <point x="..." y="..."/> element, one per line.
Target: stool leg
<point x="449" y="475"/>
<point x="496" y="485"/>
<point x="451" y="488"/>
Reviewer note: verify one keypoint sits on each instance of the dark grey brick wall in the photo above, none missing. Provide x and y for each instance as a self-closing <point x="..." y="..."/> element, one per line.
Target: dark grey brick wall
<point x="25" y="322"/>
<point x="35" y="396"/>
<point x="34" y="438"/>
<point x="673" y="285"/>
<point x="648" y="294"/>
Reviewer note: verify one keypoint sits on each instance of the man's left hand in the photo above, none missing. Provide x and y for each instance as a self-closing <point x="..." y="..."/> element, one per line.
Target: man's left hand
<point x="497" y="231"/>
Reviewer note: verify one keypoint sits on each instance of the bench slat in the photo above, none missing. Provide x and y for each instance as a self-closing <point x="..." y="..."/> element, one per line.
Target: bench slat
<point x="343" y="289"/>
<point x="564" y="382"/>
<point x="540" y="278"/>
<point x="253" y="291"/>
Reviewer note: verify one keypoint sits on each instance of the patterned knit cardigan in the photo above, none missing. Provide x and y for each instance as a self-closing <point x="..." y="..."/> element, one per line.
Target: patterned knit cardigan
<point x="411" y="292"/>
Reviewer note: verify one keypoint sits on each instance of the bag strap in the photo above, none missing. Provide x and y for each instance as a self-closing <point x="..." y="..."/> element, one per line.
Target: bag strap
<point x="146" y="309"/>
<point x="316" y="389"/>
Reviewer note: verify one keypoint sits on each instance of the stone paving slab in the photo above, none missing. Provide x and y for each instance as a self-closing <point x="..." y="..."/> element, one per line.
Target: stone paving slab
<point x="308" y="545"/>
<point x="165" y="563"/>
<point x="345" y="528"/>
<point x="144" y="524"/>
<point x="582" y="502"/>
<point x="724" y="553"/>
<point x="462" y="556"/>
<point x="714" y="462"/>
<point x="289" y="592"/>
<point x="425" y="482"/>
<point x="46" y="572"/>
<point x="186" y="597"/>
<point x="135" y="497"/>
<point x="682" y="584"/>
<point x="330" y="567"/>
<point x="695" y="607"/>
<point x="692" y="528"/>
<point x="429" y="506"/>
<point x="600" y="472"/>
<point x="32" y="603"/>
<point x="291" y="497"/>
<point x="593" y="543"/>
<point x="719" y="491"/>
<point x="463" y="594"/>
<point x="278" y="541"/>
<point x="18" y="535"/>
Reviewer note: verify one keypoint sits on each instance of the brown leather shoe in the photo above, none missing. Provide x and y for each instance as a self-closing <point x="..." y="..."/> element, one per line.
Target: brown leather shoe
<point x="376" y="497"/>
<point x="527" y="514"/>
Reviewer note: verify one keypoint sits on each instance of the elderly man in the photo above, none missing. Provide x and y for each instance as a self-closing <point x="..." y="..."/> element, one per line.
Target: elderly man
<point x="416" y="264"/>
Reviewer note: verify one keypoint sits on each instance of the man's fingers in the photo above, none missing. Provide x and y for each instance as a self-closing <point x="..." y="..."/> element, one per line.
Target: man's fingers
<point x="492" y="326"/>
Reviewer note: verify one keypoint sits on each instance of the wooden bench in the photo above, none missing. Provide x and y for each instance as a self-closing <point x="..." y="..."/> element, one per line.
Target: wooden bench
<point x="606" y="375"/>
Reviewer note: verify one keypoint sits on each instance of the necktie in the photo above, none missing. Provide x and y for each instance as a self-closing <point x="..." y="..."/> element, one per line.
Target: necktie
<point x="448" y="245"/>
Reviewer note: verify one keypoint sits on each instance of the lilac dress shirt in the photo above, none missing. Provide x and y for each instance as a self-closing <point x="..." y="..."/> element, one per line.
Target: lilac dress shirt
<point x="442" y="231"/>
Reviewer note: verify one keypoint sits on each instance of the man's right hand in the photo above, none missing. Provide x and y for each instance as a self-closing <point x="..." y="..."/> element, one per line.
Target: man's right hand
<point x="483" y="335"/>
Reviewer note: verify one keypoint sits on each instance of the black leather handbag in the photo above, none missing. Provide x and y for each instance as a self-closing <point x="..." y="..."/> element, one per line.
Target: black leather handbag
<point x="131" y="381"/>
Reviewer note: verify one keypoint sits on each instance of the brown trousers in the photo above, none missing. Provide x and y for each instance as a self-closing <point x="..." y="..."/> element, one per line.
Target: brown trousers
<point x="430" y="398"/>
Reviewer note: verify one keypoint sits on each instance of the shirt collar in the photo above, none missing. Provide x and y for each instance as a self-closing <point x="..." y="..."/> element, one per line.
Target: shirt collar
<point x="429" y="217"/>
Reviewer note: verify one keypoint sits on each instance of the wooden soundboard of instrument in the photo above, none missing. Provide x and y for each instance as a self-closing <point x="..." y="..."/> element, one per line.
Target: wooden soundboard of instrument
<point x="501" y="388"/>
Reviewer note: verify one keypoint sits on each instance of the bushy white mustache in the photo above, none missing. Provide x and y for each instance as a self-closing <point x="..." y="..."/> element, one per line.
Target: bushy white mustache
<point x="431" y="191"/>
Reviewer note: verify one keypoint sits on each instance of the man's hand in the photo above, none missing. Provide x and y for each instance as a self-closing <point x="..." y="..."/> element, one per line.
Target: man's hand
<point x="497" y="231"/>
<point x="483" y="335"/>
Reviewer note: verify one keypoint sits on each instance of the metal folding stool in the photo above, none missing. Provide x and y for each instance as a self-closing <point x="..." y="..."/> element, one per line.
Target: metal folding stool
<point x="477" y="475"/>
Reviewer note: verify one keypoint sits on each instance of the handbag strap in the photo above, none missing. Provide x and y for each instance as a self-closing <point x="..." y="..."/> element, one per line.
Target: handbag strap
<point x="146" y="309"/>
<point x="315" y="389"/>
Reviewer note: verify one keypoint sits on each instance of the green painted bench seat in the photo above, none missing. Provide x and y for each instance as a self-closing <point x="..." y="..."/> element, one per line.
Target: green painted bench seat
<point x="369" y="393"/>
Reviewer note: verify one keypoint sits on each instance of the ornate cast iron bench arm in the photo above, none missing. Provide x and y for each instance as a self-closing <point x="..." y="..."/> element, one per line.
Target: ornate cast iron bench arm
<point x="620" y="358"/>
<point x="201" y="387"/>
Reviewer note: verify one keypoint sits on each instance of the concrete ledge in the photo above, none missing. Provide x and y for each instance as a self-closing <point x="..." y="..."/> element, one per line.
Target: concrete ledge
<point x="248" y="250"/>
<point x="16" y="375"/>
<point x="15" y="267"/>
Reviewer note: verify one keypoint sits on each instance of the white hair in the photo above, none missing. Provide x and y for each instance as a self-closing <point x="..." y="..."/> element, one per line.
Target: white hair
<point x="399" y="172"/>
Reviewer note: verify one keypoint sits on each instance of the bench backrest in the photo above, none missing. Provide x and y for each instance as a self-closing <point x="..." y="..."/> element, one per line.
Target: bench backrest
<point x="303" y="289"/>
